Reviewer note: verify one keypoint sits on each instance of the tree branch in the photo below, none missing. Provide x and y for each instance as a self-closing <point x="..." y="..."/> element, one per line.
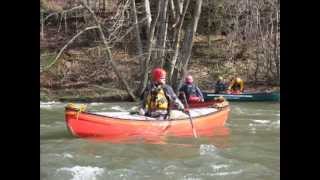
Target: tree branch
<point x="66" y="45"/>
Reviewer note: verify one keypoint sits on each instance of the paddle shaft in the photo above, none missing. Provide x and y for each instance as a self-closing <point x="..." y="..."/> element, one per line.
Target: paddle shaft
<point x="187" y="106"/>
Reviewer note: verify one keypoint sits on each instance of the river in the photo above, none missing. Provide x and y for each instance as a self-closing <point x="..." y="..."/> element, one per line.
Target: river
<point x="250" y="150"/>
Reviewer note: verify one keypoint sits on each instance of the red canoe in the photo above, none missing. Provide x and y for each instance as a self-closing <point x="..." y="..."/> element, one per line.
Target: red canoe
<point x="110" y="125"/>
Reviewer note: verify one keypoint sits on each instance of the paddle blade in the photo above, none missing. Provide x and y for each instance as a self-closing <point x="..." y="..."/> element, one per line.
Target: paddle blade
<point x="194" y="133"/>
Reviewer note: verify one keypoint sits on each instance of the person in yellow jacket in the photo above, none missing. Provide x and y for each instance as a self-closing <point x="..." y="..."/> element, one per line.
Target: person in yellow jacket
<point x="158" y="97"/>
<point x="236" y="86"/>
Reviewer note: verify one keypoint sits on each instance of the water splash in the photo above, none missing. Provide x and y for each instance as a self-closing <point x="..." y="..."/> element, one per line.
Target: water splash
<point x="83" y="172"/>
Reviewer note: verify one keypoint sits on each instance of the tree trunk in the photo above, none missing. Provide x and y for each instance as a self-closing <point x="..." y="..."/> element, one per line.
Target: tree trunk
<point x="148" y="15"/>
<point x="109" y="54"/>
<point x="162" y="35"/>
<point x="189" y="41"/>
<point x="137" y="32"/>
<point x="209" y="22"/>
<point x="276" y="51"/>
<point x="65" y="23"/>
<point x="177" y="45"/>
<point x="42" y="25"/>
<point x="143" y="83"/>
<point x="172" y="8"/>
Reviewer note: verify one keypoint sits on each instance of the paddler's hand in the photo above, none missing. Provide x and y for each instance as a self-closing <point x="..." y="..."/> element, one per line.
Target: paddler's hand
<point x="142" y="112"/>
<point x="186" y="110"/>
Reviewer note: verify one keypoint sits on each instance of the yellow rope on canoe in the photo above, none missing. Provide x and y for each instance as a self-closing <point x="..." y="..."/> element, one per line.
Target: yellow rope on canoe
<point x="78" y="107"/>
<point x="221" y="102"/>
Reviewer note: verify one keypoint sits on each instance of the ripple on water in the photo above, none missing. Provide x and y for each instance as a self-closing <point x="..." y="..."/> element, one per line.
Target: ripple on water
<point x="238" y="110"/>
<point x="81" y="172"/>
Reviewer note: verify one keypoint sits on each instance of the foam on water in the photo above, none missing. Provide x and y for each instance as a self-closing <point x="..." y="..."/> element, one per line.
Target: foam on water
<point x="170" y="170"/>
<point x="276" y="124"/>
<point x="49" y="102"/>
<point x="83" y="172"/>
<point x="224" y="173"/>
<point x="44" y="126"/>
<point x="95" y="104"/>
<point x="206" y="149"/>
<point x="254" y="114"/>
<point x="118" y="108"/>
<point x="262" y="121"/>
<point x="219" y="166"/>
<point x="253" y="130"/>
<point x="186" y="177"/>
<point x="67" y="155"/>
<point x="64" y="155"/>
<point x="49" y="105"/>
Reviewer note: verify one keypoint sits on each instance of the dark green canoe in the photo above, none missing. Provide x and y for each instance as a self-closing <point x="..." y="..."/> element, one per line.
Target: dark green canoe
<point x="252" y="96"/>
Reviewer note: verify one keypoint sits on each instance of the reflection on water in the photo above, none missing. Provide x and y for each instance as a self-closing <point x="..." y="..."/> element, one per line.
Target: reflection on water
<point x="212" y="136"/>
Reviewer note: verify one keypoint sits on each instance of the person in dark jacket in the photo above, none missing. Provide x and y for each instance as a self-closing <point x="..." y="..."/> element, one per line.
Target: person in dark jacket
<point x="191" y="91"/>
<point x="220" y="86"/>
<point x="158" y="97"/>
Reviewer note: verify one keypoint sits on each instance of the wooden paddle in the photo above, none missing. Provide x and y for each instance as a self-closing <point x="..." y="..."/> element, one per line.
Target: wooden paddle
<point x="188" y="113"/>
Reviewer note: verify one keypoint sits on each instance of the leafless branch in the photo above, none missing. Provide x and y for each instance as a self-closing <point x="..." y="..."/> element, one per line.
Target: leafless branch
<point x="66" y="45"/>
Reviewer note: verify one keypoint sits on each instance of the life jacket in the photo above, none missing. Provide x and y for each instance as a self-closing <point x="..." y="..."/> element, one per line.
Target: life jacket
<point x="156" y="99"/>
<point x="193" y="99"/>
<point x="191" y="93"/>
<point x="237" y="86"/>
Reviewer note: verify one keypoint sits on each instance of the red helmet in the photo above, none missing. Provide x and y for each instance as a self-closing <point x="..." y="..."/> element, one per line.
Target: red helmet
<point x="158" y="73"/>
<point x="189" y="79"/>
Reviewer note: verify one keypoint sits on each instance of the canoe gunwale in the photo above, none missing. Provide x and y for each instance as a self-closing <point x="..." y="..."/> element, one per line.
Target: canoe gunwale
<point x="148" y="120"/>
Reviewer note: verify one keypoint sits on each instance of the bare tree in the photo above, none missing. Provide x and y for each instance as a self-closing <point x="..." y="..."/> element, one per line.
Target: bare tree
<point x="112" y="33"/>
<point x="148" y="15"/>
<point x="185" y="57"/>
<point x="177" y="42"/>
<point x="137" y="33"/>
<point x="143" y="83"/>
<point x="109" y="54"/>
